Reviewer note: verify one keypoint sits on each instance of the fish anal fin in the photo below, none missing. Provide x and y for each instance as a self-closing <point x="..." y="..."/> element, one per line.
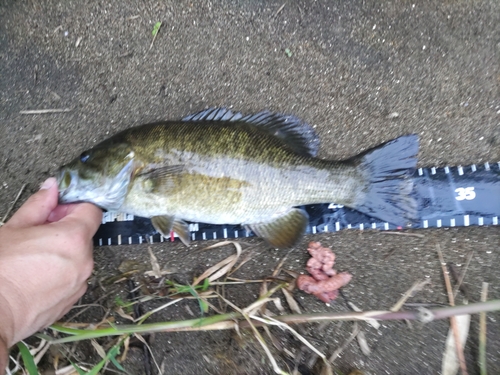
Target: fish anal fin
<point x="284" y="231"/>
<point x="164" y="224"/>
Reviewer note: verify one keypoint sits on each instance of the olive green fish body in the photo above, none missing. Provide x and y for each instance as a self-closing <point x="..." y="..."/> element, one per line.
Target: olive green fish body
<point x="224" y="168"/>
<point x="228" y="173"/>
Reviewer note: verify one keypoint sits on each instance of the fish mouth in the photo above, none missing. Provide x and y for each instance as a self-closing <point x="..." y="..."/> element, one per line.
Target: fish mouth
<point x="66" y="181"/>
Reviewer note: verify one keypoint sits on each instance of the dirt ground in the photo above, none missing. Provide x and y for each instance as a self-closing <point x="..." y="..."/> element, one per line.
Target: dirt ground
<point x="344" y="67"/>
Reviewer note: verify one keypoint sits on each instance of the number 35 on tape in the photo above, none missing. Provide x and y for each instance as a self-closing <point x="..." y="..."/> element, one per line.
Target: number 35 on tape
<point x="466" y="193"/>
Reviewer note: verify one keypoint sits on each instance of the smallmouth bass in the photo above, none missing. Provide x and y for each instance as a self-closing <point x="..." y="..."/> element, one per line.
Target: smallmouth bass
<point x="221" y="167"/>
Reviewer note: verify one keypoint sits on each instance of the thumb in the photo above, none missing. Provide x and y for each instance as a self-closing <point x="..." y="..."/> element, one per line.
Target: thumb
<point x="38" y="207"/>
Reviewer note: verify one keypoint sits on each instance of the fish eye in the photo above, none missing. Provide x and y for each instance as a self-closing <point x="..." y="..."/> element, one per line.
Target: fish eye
<point x="84" y="157"/>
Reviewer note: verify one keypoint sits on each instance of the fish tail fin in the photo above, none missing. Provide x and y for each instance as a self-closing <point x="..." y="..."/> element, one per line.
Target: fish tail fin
<point x="388" y="169"/>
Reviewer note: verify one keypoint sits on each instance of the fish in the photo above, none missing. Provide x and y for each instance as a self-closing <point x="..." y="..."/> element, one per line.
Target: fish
<point x="222" y="167"/>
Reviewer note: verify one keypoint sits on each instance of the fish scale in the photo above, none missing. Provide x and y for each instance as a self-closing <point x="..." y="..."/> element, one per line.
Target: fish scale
<point x="447" y="197"/>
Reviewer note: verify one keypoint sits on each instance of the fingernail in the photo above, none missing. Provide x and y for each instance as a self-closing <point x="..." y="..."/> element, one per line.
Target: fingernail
<point x="48" y="183"/>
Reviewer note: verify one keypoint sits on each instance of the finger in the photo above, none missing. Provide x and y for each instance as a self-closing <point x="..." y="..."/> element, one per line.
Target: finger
<point x="61" y="211"/>
<point x="38" y="207"/>
<point x="84" y="215"/>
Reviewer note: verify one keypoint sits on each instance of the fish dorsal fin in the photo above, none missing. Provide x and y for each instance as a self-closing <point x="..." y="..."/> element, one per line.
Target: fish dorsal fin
<point x="214" y="114"/>
<point x="298" y="135"/>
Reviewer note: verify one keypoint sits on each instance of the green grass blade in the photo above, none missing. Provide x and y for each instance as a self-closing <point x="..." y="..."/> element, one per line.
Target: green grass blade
<point x="82" y="334"/>
<point x="113" y="352"/>
<point x="156" y="28"/>
<point x="117" y="364"/>
<point x="28" y="360"/>
<point x="78" y="369"/>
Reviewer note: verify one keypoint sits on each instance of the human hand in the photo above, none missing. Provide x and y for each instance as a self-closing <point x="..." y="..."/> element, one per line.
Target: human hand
<point x="45" y="260"/>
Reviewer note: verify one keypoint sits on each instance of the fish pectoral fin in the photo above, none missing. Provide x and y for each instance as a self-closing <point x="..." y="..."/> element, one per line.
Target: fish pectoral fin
<point x="283" y="231"/>
<point x="164" y="171"/>
<point x="164" y="224"/>
<point x="161" y="178"/>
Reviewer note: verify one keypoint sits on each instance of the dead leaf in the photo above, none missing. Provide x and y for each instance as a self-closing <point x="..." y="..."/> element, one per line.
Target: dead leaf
<point x="451" y="363"/>
<point x="98" y="348"/>
<point x="154" y="264"/>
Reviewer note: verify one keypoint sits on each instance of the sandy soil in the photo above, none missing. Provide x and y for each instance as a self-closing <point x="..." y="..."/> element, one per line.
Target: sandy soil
<point x="351" y="65"/>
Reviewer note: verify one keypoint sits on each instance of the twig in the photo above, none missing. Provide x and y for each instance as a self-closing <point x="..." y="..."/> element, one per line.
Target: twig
<point x="44" y="111"/>
<point x="453" y="321"/>
<point x="482" y="332"/>
<point x="462" y="275"/>
<point x="13" y="204"/>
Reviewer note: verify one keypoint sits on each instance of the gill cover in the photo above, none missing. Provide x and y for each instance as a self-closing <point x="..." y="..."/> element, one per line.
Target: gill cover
<point x="107" y="192"/>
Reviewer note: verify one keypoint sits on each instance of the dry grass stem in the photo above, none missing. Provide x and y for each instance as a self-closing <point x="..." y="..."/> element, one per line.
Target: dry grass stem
<point x="12" y="204"/>
<point x="462" y="275"/>
<point x="248" y="257"/>
<point x="453" y="320"/>
<point x="482" y="332"/>
<point x="355" y="330"/>
<point x="126" y="347"/>
<point x="141" y="339"/>
<point x="223" y="267"/>
<point x="371" y="322"/>
<point x="41" y="350"/>
<point x="68" y="370"/>
<point x="149" y="313"/>
<point x="271" y="321"/>
<point x="403" y="234"/>
<point x="363" y="344"/>
<point x="254" y="306"/>
<point x="294" y="306"/>
<point x="279" y="10"/>
<point x="417" y="286"/>
<point x="235" y="281"/>
<point x="44" y="111"/>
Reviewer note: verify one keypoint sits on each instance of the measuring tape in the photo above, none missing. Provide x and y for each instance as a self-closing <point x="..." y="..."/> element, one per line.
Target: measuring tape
<point x="447" y="197"/>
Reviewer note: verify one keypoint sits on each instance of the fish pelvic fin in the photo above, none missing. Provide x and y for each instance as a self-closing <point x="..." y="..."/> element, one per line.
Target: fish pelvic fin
<point x="164" y="224"/>
<point x="388" y="169"/>
<point x="295" y="133"/>
<point x="284" y="231"/>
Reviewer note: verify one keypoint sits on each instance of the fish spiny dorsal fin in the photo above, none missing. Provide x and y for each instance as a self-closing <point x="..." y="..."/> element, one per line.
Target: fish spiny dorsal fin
<point x="298" y="135"/>
<point x="214" y="114"/>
